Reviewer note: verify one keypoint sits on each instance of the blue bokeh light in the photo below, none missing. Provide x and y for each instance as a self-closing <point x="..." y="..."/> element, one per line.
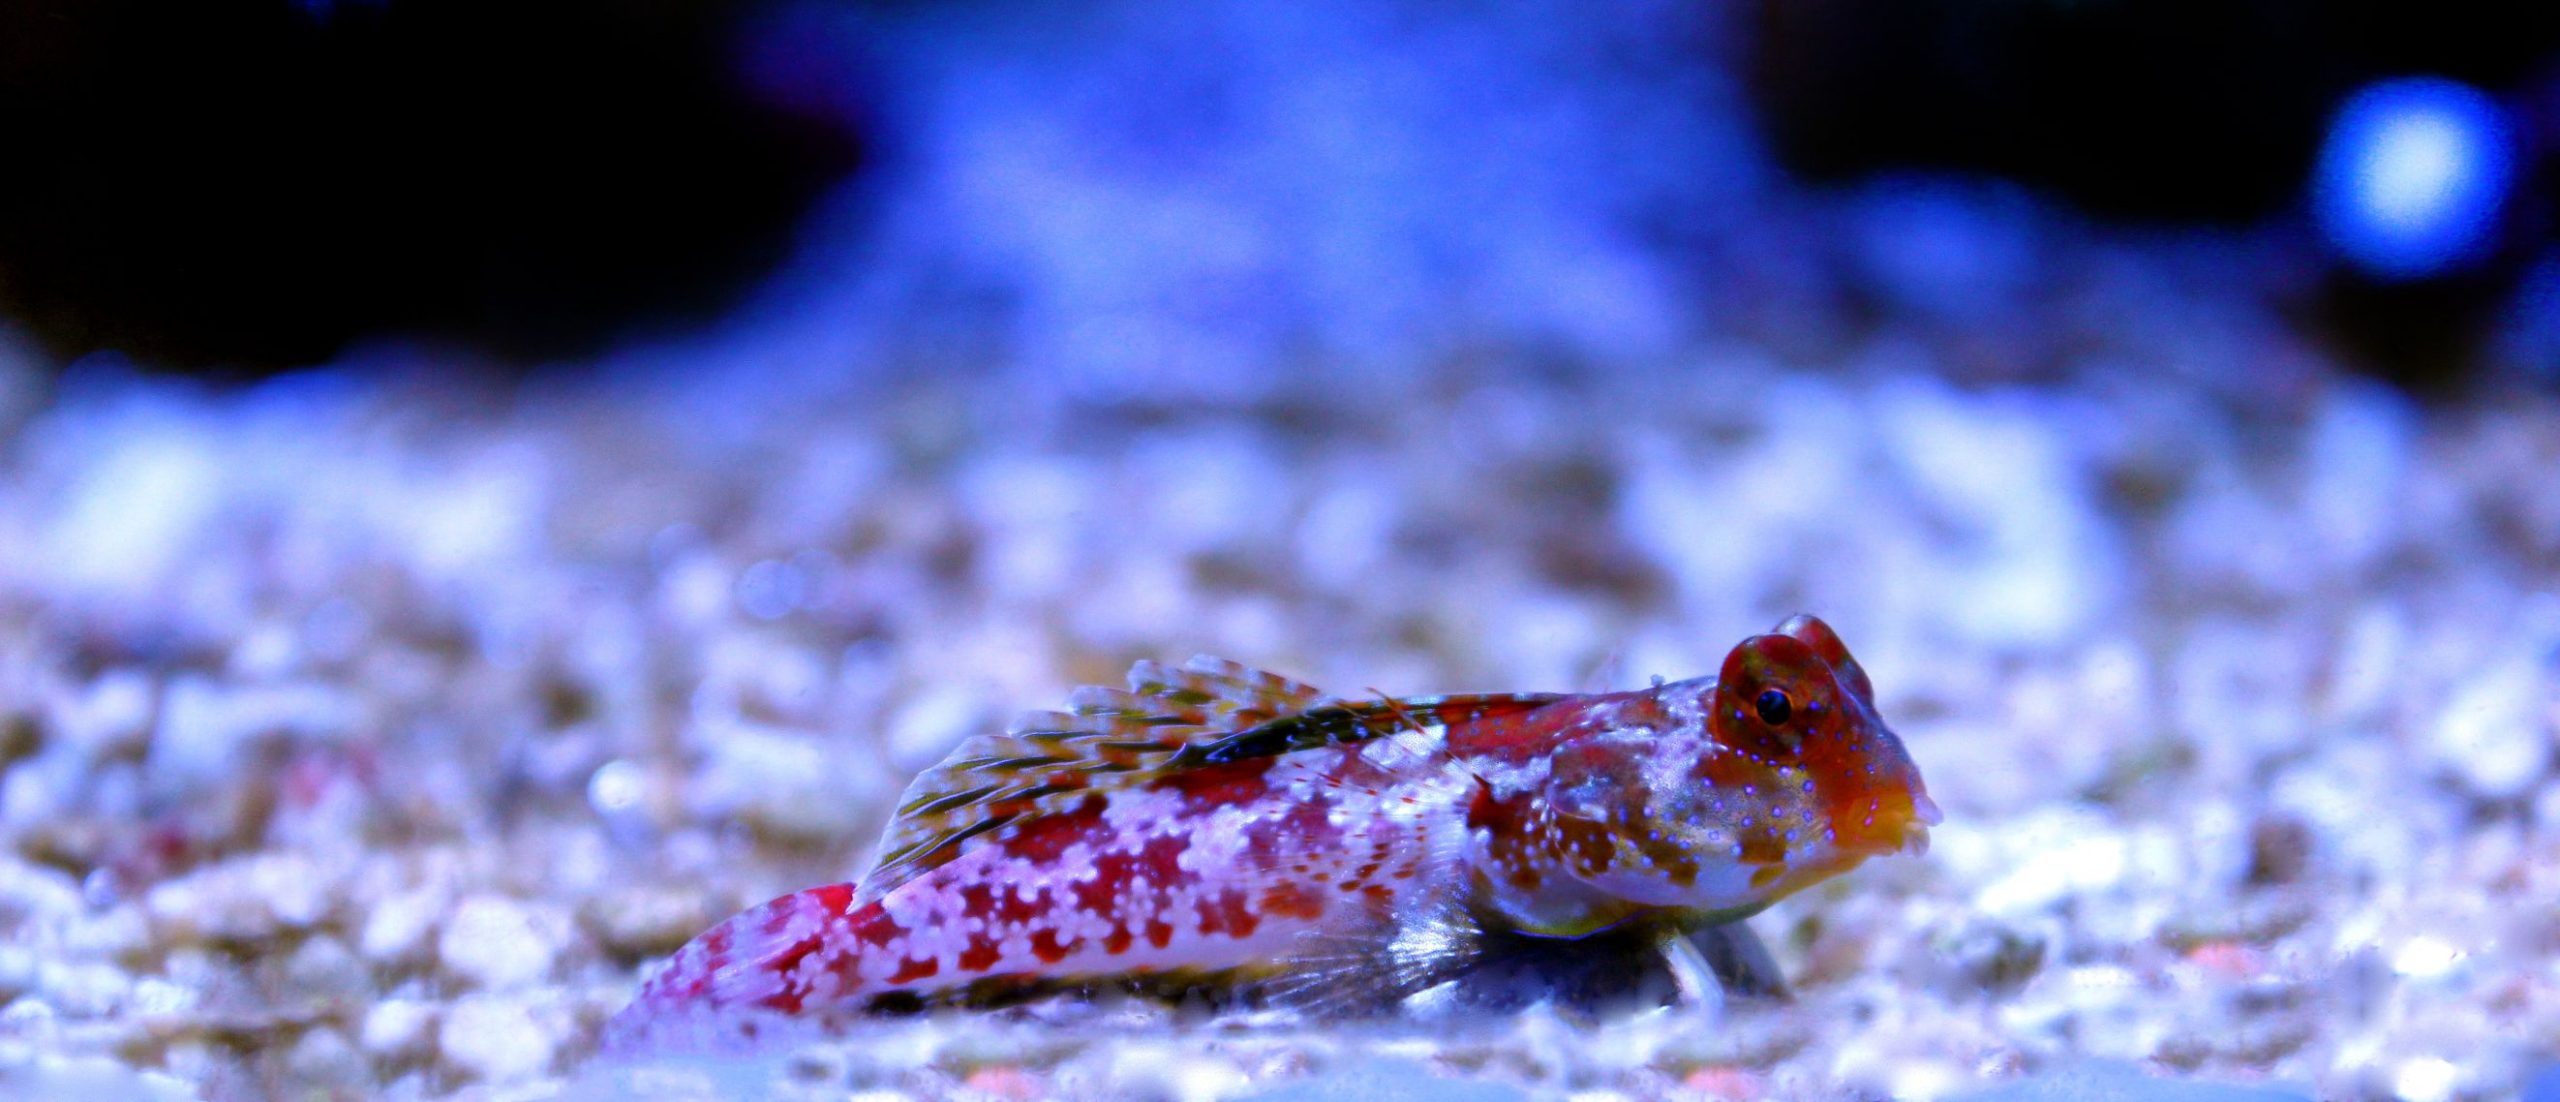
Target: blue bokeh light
<point x="2414" y="176"/>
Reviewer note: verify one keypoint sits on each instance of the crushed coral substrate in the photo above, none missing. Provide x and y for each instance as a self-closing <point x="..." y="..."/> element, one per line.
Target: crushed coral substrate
<point x="372" y="737"/>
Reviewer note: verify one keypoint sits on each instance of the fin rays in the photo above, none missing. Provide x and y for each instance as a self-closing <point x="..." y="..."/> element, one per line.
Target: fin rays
<point x="1109" y="738"/>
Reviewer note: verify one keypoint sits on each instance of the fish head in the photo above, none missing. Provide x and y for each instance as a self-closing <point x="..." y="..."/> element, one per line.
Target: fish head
<point x="1731" y="793"/>
<point x="1795" y="701"/>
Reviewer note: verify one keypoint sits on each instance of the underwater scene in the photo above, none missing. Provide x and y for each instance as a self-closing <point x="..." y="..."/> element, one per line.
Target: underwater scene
<point x="1352" y="549"/>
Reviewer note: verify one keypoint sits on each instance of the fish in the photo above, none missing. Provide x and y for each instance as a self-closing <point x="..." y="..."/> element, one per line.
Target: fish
<point x="1217" y="824"/>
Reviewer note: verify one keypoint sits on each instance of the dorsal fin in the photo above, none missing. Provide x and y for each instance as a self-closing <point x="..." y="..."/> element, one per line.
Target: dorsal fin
<point x="1343" y="723"/>
<point x="1110" y="738"/>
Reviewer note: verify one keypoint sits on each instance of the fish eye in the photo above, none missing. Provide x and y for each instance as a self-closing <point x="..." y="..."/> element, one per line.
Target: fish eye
<point x="1775" y="708"/>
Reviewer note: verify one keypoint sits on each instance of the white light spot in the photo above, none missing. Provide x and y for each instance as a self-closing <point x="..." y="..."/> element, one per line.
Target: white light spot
<point x="2048" y="876"/>
<point x="2426" y="957"/>
<point x="615" y="787"/>
<point x="2413" y="159"/>
<point x="2426" y="1079"/>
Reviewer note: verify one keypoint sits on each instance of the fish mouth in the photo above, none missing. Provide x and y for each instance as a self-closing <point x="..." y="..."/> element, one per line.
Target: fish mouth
<point x="1915" y="828"/>
<point x="1899" y="826"/>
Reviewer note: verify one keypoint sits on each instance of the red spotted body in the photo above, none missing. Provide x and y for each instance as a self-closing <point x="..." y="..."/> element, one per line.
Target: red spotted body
<point x="1218" y="820"/>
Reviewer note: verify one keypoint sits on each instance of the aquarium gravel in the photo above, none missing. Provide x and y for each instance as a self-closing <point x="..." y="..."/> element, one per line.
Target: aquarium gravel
<point x="373" y="737"/>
